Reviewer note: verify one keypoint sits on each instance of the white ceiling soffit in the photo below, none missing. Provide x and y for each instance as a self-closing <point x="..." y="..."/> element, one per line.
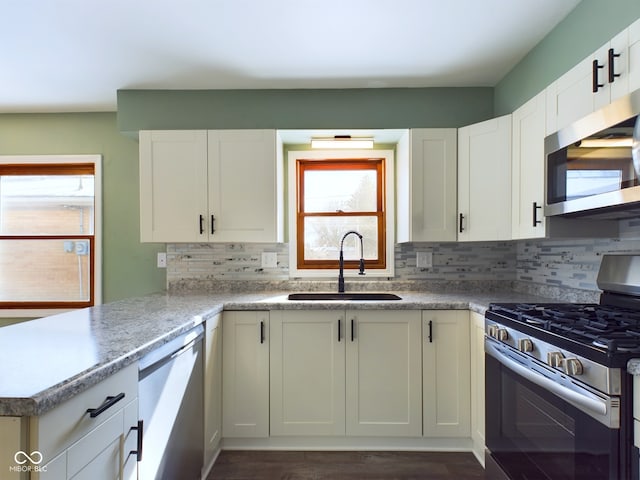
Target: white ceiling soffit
<point x="73" y="55"/>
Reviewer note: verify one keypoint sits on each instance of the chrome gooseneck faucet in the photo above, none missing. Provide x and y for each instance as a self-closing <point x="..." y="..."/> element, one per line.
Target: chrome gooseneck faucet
<point x="341" y="260"/>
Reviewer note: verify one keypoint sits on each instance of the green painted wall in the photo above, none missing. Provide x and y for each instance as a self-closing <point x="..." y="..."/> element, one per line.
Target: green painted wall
<point x="331" y="108"/>
<point x="129" y="267"/>
<point x="589" y="26"/>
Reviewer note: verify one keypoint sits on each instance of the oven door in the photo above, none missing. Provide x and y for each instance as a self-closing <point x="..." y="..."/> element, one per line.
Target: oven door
<point x="538" y="426"/>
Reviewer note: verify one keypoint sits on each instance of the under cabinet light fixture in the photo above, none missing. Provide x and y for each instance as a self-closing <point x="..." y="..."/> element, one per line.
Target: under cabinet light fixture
<point x="342" y="141"/>
<point x="606" y="142"/>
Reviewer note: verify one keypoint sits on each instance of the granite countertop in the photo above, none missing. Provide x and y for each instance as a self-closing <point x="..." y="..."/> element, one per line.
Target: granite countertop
<point x="46" y="361"/>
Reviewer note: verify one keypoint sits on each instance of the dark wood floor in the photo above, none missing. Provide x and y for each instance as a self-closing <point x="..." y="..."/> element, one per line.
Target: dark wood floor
<point x="287" y="465"/>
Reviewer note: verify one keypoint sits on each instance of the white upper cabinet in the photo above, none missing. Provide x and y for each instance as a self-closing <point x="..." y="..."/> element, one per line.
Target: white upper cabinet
<point x="484" y="180"/>
<point x="243" y="186"/>
<point x="173" y="185"/>
<point x="611" y="72"/>
<point x="426" y="178"/>
<point x="527" y="220"/>
<point x="215" y="186"/>
<point x="634" y="56"/>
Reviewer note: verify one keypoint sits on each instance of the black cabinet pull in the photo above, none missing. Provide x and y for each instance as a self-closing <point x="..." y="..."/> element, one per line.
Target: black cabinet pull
<point x="213" y="223"/>
<point x="352" y="329"/>
<point x="201" y="224"/>
<point x="138" y="451"/>
<point x="460" y="228"/>
<point x="536" y="222"/>
<point x="612" y="70"/>
<point x="594" y="76"/>
<point x="339" y="328"/>
<point x="107" y="404"/>
<point x="261" y="332"/>
<point x="430" y="331"/>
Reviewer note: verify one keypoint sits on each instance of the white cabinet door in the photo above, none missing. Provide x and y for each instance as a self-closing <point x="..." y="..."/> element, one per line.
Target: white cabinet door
<point x="307" y="372"/>
<point x="426" y="178"/>
<point x="484" y="180"/>
<point x="570" y="97"/>
<point x="243" y="187"/>
<point x="212" y="389"/>
<point x="446" y="376"/>
<point x="527" y="174"/>
<point x="383" y="373"/>
<point x="173" y="186"/>
<point x="619" y="66"/>
<point x="633" y="56"/>
<point x="477" y="385"/>
<point x="245" y="377"/>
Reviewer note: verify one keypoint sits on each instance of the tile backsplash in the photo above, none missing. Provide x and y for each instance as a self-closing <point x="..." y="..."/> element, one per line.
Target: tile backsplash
<point x="540" y="265"/>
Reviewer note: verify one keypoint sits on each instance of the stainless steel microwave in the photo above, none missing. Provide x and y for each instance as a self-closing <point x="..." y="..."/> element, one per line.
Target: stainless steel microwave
<point x="593" y="165"/>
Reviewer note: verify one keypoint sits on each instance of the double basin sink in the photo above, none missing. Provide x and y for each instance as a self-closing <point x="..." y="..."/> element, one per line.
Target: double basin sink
<point x="366" y="296"/>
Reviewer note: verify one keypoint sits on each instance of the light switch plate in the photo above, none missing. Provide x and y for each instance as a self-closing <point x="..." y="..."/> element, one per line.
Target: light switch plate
<point x="424" y="259"/>
<point x="162" y="260"/>
<point x="269" y="260"/>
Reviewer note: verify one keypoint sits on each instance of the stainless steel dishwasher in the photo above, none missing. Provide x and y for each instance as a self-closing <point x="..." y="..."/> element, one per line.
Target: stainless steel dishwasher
<point x="171" y="408"/>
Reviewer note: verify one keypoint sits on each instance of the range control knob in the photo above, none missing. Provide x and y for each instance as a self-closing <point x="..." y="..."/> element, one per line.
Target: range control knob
<point x="492" y="331"/>
<point x="525" y="345"/>
<point x="572" y="366"/>
<point x="503" y="335"/>
<point x="555" y="359"/>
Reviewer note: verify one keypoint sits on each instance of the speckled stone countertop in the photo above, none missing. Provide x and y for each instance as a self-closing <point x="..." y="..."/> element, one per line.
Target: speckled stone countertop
<point x="47" y="361"/>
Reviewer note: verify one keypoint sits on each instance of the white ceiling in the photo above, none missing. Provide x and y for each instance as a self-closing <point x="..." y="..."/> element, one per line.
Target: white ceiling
<point x="73" y="55"/>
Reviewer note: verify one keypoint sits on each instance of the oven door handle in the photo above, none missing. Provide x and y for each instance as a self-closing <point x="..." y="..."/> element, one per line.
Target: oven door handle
<point x="587" y="404"/>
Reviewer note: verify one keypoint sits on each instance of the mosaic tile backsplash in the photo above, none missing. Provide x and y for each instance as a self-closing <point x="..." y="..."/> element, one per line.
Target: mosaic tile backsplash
<point x="537" y="266"/>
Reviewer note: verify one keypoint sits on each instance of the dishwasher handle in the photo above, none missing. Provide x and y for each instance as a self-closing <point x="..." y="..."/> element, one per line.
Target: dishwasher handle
<point x="170" y="350"/>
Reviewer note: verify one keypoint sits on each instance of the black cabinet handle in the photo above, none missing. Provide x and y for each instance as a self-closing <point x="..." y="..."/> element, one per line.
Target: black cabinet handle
<point x="460" y="228"/>
<point x="430" y="331"/>
<point x="594" y="76"/>
<point x="138" y="451"/>
<point x="213" y="223"/>
<point x="339" y="328"/>
<point x="201" y="224"/>
<point x="107" y="404"/>
<point x="261" y="332"/>
<point x="612" y="70"/>
<point x="536" y="222"/>
<point x="352" y="329"/>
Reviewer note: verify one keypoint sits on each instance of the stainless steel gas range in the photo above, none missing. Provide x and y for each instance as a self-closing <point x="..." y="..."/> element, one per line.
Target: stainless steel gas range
<point x="558" y="397"/>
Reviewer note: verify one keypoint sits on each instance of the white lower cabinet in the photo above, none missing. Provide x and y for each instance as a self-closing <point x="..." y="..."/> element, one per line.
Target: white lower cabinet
<point x="76" y="446"/>
<point x="446" y="375"/>
<point x="212" y="390"/>
<point x="245" y="374"/>
<point x="477" y="385"/>
<point x="353" y="372"/>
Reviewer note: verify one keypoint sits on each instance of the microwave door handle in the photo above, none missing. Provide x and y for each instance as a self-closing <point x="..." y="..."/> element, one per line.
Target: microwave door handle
<point x="583" y="402"/>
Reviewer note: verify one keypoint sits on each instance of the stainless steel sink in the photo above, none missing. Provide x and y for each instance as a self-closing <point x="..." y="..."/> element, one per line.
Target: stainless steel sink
<point x="369" y="296"/>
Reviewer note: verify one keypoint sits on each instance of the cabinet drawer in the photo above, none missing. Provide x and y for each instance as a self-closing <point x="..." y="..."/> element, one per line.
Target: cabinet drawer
<point x="59" y="428"/>
<point x="96" y="448"/>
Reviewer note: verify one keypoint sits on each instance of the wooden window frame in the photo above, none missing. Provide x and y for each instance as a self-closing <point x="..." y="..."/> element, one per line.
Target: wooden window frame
<point x="60" y="165"/>
<point x="347" y="164"/>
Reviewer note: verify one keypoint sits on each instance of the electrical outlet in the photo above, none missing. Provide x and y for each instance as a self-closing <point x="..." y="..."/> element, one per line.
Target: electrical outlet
<point x="424" y="259"/>
<point x="162" y="260"/>
<point x="269" y="260"/>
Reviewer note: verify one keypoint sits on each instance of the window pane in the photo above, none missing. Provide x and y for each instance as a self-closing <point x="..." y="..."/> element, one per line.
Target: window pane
<point x="46" y="204"/>
<point x="44" y="270"/>
<point x="334" y="190"/>
<point x="322" y="237"/>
